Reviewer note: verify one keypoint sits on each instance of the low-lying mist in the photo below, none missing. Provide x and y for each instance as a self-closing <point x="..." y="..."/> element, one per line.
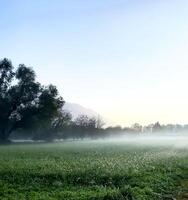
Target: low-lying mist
<point x="158" y="139"/>
<point x="179" y="140"/>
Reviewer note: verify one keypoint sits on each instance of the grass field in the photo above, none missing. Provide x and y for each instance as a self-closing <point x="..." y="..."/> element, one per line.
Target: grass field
<point x="92" y="171"/>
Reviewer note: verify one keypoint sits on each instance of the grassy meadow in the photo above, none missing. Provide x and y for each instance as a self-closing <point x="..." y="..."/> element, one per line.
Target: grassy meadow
<point x="93" y="171"/>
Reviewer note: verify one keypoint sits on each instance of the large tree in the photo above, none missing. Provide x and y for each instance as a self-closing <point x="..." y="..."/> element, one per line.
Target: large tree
<point x="25" y="103"/>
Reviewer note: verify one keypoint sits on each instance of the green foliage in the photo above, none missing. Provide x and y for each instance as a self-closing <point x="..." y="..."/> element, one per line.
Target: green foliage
<point x="91" y="171"/>
<point x="24" y="103"/>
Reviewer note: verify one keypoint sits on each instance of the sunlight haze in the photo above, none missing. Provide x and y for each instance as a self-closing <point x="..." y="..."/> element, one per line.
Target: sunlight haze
<point x="125" y="59"/>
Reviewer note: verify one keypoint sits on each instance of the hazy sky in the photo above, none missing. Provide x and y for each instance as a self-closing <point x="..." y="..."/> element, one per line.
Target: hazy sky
<point x="126" y="59"/>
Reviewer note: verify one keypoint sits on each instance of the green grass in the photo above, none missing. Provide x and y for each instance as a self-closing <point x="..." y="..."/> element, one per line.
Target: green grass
<point x="91" y="171"/>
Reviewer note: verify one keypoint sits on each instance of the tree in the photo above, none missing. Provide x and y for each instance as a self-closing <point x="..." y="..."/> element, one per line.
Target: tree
<point x="156" y="127"/>
<point x="99" y="122"/>
<point x="25" y="103"/>
<point x="62" y="125"/>
<point x="85" y="127"/>
<point x="62" y="121"/>
<point x="137" y="127"/>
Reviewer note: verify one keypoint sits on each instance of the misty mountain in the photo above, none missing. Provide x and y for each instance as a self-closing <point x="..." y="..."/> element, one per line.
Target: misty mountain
<point x="76" y="110"/>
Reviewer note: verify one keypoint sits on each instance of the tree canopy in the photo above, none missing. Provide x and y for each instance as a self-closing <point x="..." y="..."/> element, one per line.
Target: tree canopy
<point x="24" y="102"/>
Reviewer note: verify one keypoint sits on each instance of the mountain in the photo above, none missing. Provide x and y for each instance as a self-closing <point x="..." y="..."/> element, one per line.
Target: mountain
<point x="76" y="110"/>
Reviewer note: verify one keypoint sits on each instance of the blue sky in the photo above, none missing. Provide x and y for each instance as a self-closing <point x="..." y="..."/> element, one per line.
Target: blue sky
<point x="126" y="59"/>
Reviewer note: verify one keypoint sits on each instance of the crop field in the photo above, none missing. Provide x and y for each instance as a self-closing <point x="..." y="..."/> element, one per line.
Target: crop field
<point x="93" y="171"/>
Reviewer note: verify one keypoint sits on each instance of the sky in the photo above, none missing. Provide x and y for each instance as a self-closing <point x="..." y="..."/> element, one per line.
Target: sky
<point x="125" y="59"/>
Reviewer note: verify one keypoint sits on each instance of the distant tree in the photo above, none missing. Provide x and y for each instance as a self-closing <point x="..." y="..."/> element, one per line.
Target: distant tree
<point x="82" y="121"/>
<point x="99" y="123"/>
<point x="25" y="103"/>
<point x="113" y="130"/>
<point x="62" y="121"/>
<point x="156" y="127"/>
<point x="62" y="125"/>
<point x="87" y="122"/>
<point x="85" y="126"/>
<point x="137" y="127"/>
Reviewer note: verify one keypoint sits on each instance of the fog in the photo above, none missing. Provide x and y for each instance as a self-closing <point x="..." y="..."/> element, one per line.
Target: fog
<point x="158" y="139"/>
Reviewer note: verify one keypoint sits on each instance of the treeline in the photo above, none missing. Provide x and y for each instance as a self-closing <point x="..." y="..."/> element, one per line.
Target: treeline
<point x="64" y="127"/>
<point x="83" y="127"/>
